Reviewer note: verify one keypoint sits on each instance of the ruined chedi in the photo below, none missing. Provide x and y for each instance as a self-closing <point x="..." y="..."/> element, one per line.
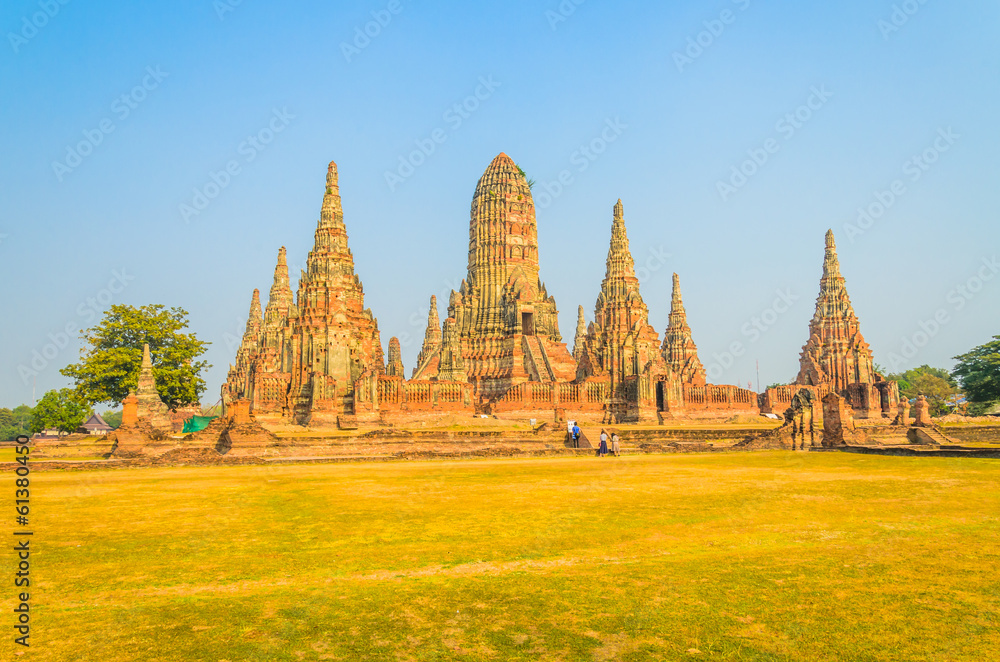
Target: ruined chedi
<point x="429" y="357"/>
<point x="394" y="362"/>
<point x="836" y="355"/>
<point x="679" y="350"/>
<point x="620" y="342"/>
<point x="144" y="405"/>
<point x="240" y="377"/>
<point x="316" y="356"/>
<point x="581" y="334"/>
<point x="502" y="326"/>
<point x="300" y="360"/>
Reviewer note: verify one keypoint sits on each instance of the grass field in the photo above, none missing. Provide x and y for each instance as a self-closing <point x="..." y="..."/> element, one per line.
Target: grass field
<point x="742" y="556"/>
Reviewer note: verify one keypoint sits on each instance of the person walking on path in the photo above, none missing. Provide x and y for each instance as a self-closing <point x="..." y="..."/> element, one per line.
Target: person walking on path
<point x="576" y="436"/>
<point x="615" y="447"/>
<point x="604" y="444"/>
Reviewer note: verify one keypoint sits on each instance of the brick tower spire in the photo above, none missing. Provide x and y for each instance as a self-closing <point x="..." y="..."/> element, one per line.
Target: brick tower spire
<point x="149" y="404"/>
<point x="581" y="333"/>
<point x="280" y="302"/>
<point x="503" y="240"/>
<point x="620" y="342"/>
<point x="836" y="352"/>
<point x="505" y="323"/>
<point x="394" y="364"/>
<point x="427" y="359"/>
<point x="334" y="338"/>
<point x="679" y="350"/>
<point x="249" y="346"/>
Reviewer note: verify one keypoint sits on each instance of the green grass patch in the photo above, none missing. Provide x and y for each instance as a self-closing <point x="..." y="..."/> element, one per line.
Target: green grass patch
<point x="748" y="556"/>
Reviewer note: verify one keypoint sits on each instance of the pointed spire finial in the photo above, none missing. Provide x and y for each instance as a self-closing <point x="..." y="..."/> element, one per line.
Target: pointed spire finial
<point x="620" y="262"/>
<point x="675" y="297"/>
<point x="255" y="303"/>
<point x="581" y="334"/>
<point x="432" y="314"/>
<point x="332" y="212"/>
<point x="147" y="360"/>
<point x="831" y="264"/>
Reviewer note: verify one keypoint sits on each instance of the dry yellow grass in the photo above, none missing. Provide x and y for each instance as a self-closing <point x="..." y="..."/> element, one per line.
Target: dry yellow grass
<point x="742" y="556"/>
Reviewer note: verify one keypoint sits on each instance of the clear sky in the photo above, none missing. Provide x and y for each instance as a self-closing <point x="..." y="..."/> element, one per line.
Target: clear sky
<point x="116" y="114"/>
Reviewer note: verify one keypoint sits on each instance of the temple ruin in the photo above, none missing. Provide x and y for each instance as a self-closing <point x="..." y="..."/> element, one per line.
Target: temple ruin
<point x="505" y="323"/>
<point x="301" y="361"/>
<point x="679" y="350"/>
<point x="316" y="357"/>
<point x="836" y="358"/>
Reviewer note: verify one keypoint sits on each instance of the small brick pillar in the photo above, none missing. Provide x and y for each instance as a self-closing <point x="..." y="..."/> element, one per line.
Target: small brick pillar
<point x="922" y="415"/>
<point x="837" y="417"/>
<point x="240" y="412"/>
<point x="902" y="413"/>
<point x="130" y="409"/>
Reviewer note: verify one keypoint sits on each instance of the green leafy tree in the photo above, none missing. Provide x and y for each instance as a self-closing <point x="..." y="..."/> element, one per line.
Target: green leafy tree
<point x="113" y="418"/>
<point x="936" y="384"/>
<point x="979" y="371"/>
<point x="14" y="422"/>
<point x="61" y="410"/>
<point x="22" y="417"/>
<point x="112" y="356"/>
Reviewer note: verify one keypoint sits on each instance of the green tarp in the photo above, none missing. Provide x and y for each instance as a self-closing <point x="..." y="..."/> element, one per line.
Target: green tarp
<point x="197" y="423"/>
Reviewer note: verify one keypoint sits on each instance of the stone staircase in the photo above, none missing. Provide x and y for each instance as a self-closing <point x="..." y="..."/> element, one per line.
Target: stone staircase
<point x="585" y="439"/>
<point x="931" y="436"/>
<point x="538" y="363"/>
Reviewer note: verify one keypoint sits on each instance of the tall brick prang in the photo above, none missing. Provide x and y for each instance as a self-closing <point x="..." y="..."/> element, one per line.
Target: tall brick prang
<point x="303" y="358"/>
<point x="506" y="324"/>
<point x="836" y="357"/>
<point x="836" y="352"/>
<point x="679" y="350"/>
<point x="620" y="342"/>
<point x="430" y="352"/>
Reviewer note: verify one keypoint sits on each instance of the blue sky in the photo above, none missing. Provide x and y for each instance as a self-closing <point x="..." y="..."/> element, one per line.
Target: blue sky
<point x="659" y="104"/>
